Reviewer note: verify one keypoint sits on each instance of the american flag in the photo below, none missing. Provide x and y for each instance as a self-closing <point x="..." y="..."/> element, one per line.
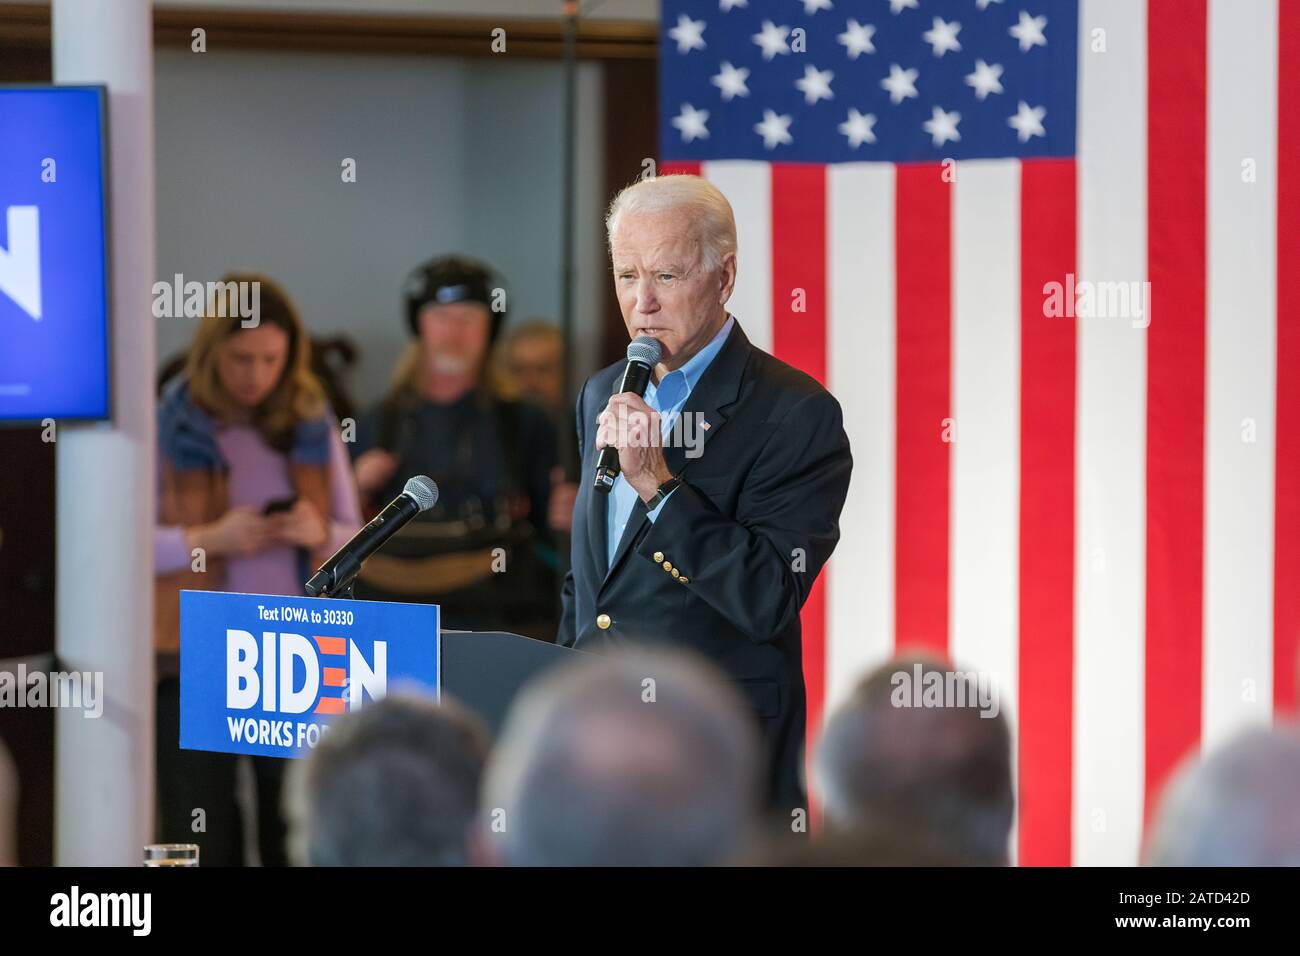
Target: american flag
<point x="1038" y="250"/>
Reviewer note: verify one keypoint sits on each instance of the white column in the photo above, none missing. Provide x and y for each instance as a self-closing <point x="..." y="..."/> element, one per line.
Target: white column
<point x="104" y="770"/>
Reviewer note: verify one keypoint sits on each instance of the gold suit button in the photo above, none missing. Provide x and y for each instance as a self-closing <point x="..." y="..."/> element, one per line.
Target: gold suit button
<point x="603" y="621"/>
<point x="676" y="573"/>
<point x="668" y="565"/>
<point x="684" y="579"/>
<point x="659" y="556"/>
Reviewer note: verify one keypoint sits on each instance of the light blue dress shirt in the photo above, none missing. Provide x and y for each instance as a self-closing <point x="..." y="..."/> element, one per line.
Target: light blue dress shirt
<point x="668" y="399"/>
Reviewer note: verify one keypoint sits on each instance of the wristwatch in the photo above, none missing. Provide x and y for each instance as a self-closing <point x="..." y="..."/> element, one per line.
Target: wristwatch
<point x="662" y="492"/>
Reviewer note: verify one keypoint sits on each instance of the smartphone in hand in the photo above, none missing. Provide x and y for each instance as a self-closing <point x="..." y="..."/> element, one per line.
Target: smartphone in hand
<point x="280" y="504"/>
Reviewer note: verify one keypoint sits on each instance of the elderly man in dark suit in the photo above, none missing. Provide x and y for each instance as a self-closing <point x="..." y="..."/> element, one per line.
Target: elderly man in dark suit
<point x="735" y="467"/>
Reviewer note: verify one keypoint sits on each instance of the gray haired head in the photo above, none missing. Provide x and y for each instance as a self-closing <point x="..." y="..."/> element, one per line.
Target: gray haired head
<point x="393" y="784"/>
<point x="1238" y="806"/>
<point x="941" y="774"/>
<point x="625" y="759"/>
<point x="699" y="203"/>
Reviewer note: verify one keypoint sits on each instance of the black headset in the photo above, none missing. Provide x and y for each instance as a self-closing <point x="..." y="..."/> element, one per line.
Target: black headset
<point x="455" y="278"/>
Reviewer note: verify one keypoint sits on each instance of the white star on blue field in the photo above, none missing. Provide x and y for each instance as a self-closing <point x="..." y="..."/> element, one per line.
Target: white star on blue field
<point x="833" y="81"/>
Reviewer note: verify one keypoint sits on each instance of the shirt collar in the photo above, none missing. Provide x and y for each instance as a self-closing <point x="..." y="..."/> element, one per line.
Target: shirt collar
<point x="697" y="363"/>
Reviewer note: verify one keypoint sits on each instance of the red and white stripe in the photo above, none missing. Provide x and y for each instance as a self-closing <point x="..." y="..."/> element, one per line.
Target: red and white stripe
<point x="1114" y="533"/>
<point x="1110" y="446"/>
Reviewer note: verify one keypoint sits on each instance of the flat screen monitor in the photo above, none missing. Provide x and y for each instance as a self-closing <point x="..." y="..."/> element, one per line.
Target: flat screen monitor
<point x="54" y="295"/>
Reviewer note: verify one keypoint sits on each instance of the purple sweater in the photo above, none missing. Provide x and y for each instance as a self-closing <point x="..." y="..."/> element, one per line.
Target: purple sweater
<point x="260" y="474"/>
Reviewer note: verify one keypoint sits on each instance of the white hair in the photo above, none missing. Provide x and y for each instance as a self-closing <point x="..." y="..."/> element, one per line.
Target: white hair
<point x="711" y="218"/>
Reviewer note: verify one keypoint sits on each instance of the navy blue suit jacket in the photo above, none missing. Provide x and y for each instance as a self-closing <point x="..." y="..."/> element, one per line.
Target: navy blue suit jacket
<point x="747" y="531"/>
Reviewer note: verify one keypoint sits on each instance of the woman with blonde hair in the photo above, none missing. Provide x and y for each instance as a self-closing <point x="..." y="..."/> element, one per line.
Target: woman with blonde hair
<point x="254" y="489"/>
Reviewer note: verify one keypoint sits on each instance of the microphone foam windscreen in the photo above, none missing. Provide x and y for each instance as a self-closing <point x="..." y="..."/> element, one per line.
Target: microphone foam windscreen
<point x="644" y="349"/>
<point x="424" y="490"/>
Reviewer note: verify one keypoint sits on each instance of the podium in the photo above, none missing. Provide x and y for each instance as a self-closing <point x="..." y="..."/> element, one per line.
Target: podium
<point x="264" y="674"/>
<point x="484" y="670"/>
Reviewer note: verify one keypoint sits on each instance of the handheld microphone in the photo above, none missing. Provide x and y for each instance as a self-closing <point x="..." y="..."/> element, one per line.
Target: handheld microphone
<point x="419" y="494"/>
<point x="642" y="356"/>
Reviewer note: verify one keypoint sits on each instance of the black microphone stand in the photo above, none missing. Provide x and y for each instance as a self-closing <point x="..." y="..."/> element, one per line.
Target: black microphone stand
<point x="340" y="588"/>
<point x="344" y="592"/>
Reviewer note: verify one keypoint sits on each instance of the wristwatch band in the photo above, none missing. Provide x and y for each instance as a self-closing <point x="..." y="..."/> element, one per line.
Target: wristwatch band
<point x="662" y="492"/>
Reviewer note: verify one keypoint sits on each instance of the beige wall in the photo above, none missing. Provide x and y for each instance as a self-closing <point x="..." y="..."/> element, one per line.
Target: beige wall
<point x="647" y="10"/>
<point x="453" y="154"/>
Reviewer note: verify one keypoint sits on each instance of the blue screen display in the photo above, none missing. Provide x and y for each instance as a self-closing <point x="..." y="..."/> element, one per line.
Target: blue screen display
<point x="53" y="269"/>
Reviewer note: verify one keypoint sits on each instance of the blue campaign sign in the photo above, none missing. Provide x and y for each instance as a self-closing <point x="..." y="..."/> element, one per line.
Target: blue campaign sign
<point x="53" y="254"/>
<point x="263" y="674"/>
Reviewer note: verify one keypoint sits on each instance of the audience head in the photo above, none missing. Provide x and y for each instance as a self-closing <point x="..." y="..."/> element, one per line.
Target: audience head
<point x="1239" y="806"/>
<point x="532" y="362"/>
<point x="455" y="306"/>
<point x="924" y="748"/>
<point x="393" y="784"/>
<point x="258" y="366"/>
<point x="640" y="758"/>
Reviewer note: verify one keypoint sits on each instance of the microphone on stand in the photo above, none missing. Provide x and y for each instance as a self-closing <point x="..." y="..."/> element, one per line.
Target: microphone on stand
<point x="338" y="572"/>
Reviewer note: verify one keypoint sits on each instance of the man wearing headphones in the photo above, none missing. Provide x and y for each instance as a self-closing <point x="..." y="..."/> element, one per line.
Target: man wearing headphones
<point x="484" y="552"/>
